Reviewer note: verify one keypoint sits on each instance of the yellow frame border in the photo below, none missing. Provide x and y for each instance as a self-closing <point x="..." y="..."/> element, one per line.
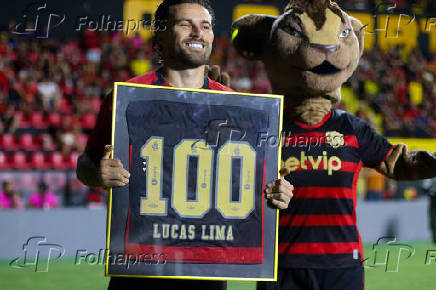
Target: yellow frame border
<point x="109" y="207"/>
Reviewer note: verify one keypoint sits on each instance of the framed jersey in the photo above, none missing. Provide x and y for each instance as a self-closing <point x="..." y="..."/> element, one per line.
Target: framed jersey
<point x="194" y="207"/>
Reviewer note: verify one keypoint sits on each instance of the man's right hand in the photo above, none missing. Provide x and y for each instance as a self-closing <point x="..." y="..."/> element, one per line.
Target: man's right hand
<point x="112" y="172"/>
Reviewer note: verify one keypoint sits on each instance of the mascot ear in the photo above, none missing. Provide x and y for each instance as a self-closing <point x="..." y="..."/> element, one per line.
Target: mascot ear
<point x="251" y="33"/>
<point x="359" y="30"/>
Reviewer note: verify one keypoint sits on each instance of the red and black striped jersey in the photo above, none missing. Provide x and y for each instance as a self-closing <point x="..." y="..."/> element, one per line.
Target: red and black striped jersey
<point x="318" y="230"/>
<point x="101" y="135"/>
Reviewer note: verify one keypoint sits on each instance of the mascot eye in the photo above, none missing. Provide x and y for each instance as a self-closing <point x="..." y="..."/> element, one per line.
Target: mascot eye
<point x="292" y="31"/>
<point x="345" y="33"/>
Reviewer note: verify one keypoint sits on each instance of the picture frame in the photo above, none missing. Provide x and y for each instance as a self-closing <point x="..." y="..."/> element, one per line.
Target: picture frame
<point x="186" y="212"/>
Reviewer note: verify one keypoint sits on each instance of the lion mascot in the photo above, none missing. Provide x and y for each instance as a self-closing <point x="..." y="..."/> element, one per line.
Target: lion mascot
<point x="309" y="52"/>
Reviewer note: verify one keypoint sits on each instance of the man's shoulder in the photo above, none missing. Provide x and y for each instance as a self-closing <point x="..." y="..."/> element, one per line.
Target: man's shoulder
<point x="213" y="85"/>
<point x="145" y="79"/>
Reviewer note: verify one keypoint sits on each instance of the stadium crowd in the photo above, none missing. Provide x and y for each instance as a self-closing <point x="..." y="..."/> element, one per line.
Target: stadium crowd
<point x="50" y="92"/>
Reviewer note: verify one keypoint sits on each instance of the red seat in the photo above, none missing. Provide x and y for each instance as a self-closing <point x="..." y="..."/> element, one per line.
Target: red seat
<point x="4" y="161"/>
<point x="37" y="121"/>
<point x="88" y="121"/>
<point x="71" y="160"/>
<point x="56" y="161"/>
<point x="27" y="142"/>
<point x="81" y="141"/>
<point x="46" y="142"/>
<point x="37" y="161"/>
<point x="19" y="160"/>
<point x="95" y="104"/>
<point x="55" y="120"/>
<point x="8" y="142"/>
<point x="64" y="106"/>
<point x="23" y="121"/>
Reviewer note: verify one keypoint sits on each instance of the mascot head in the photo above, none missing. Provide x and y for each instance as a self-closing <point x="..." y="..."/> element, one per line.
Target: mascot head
<point x="308" y="51"/>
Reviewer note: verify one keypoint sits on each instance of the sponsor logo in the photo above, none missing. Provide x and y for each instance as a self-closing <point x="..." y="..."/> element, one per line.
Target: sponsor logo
<point x="335" y="139"/>
<point x="321" y="162"/>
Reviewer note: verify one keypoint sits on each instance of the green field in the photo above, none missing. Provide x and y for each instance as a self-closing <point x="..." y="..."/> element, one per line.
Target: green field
<point x="413" y="273"/>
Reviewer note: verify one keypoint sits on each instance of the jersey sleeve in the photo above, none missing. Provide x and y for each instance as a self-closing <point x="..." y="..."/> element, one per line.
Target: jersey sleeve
<point x="101" y="135"/>
<point x="373" y="147"/>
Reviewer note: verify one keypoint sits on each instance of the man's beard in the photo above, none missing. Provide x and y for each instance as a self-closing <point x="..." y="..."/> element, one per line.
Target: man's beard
<point x="192" y="60"/>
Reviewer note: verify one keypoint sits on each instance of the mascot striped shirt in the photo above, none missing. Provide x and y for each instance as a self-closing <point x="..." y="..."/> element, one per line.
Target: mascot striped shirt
<point x="318" y="230"/>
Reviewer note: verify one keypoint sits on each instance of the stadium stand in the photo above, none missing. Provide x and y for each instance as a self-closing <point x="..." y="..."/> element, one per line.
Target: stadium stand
<point x="51" y="91"/>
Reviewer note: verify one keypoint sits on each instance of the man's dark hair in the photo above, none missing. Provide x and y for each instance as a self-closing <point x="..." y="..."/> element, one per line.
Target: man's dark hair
<point x="162" y="15"/>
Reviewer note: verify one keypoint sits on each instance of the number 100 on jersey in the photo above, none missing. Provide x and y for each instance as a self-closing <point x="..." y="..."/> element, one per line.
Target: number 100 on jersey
<point x="194" y="207"/>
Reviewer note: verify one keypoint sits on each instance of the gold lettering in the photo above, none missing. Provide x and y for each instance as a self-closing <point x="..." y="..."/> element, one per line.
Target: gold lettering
<point x="156" y="234"/>
<point x="315" y="164"/>
<point x="182" y="235"/>
<point x="303" y="160"/>
<point x="293" y="163"/>
<point x="174" y="234"/>
<point x="165" y="231"/>
<point x="220" y="233"/>
<point x="324" y="158"/>
<point x="333" y="167"/>
<point x="204" y="236"/>
<point x="229" y="234"/>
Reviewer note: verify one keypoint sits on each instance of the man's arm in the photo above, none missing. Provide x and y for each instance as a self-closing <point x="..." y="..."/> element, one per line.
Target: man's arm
<point x="401" y="164"/>
<point x="108" y="173"/>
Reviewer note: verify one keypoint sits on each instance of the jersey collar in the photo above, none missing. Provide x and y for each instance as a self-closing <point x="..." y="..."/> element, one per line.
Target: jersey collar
<point x="317" y="125"/>
<point x="162" y="82"/>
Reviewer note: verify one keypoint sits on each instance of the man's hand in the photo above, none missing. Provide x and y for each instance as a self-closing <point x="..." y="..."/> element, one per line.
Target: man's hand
<point x="112" y="172"/>
<point x="215" y="74"/>
<point x="279" y="192"/>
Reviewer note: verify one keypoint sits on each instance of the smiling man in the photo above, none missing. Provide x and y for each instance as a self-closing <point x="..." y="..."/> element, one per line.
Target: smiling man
<point x="183" y="48"/>
<point x="183" y="44"/>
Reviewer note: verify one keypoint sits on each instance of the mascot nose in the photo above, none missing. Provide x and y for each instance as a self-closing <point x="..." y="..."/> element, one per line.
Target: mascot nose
<point x="326" y="48"/>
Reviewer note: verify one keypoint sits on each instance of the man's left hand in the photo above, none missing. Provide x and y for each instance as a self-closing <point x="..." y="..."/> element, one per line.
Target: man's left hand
<point x="279" y="192"/>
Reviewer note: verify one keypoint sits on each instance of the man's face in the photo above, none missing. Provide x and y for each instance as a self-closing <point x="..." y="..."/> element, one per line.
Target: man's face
<point x="187" y="42"/>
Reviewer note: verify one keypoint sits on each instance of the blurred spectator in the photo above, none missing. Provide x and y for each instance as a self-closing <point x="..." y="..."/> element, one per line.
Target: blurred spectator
<point x="95" y="197"/>
<point x="43" y="198"/>
<point x="391" y="189"/>
<point x="10" y="198"/>
<point x="50" y="94"/>
<point x="375" y="184"/>
<point x="429" y="186"/>
<point x="8" y="120"/>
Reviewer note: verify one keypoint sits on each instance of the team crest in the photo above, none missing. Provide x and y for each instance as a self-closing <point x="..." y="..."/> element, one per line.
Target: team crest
<point x="334" y="139"/>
